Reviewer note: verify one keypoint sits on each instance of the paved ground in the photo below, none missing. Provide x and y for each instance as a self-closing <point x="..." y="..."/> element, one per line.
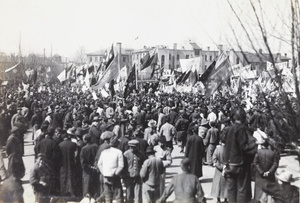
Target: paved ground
<point x="287" y="162"/>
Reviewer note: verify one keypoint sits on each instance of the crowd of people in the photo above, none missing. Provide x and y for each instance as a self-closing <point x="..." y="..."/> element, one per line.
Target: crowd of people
<point x="93" y="148"/>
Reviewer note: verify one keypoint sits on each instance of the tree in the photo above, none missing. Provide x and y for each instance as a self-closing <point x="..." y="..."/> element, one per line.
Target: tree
<point x="80" y="55"/>
<point x="260" y="31"/>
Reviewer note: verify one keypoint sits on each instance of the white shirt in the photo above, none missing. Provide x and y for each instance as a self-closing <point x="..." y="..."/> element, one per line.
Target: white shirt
<point x="111" y="162"/>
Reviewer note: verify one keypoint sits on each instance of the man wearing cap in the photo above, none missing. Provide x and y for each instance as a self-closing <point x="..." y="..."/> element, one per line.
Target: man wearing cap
<point x="94" y="130"/>
<point x="211" y="141"/>
<point x="266" y="164"/>
<point x="16" y="116"/>
<point x="67" y="168"/>
<point x="148" y="131"/>
<point x="110" y="164"/>
<point x="181" y="126"/>
<point x="133" y="161"/>
<point x="89" y="171"/>
<point x="151" y="173"/>
<point x="282" y="191"/>
<point x="36" y="122"/>
<point x="186" y="186"/>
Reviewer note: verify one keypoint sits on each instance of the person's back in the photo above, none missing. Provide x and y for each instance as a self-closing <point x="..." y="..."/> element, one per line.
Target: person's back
<point x="186" y="186"/>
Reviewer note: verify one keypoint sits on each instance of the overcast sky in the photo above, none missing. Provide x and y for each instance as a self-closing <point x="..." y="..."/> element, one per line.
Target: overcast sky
<point x="96" y="24"/>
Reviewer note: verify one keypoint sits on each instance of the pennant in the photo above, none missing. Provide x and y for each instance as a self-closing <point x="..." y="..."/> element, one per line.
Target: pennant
<point x="150" y="59"/>
<point x="130" y="82"/>
<point x="110" y="73"/>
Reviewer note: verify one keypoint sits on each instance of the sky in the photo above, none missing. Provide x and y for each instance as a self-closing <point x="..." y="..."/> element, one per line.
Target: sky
<point x="67" y="25"/>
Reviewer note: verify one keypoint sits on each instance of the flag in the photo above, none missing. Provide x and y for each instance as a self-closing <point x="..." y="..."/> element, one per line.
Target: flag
<point x="14" y="68"/>
<point x="110" y="73"/>
<point x="183" y="77"/>
<point x="110" y="57"/>
<point x="150" y="59"/>
<point x="191" y="64"/>
<point x="68" y="70"/>
<point x="111" y="88"/>
<point x="130" y="82"/>
<point x="87" y="79"/>
<point x="216" y="75"/>
<point x="62" y="76"/>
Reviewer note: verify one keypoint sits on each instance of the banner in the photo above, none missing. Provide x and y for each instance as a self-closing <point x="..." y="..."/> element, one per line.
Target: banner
<point x="191" y="64"/>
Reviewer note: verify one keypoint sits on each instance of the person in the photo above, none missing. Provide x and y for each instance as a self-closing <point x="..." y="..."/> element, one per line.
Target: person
<point x="239" y="152"/>
<point x="211" y="141"/>
<point x="89" y="171"/>
<point x="148" y="131"/>
<point x="219" y="184"/>
<point x="164" y="153"/>
<point x="169" y="131"/>
<point x="186" y="186"/>
<point x="67" y="169"/>
<point x="40" y="179"/>
<point x="14" y="153"/>
<point x="110" y="164"/>
<point x="133" y="161"/>
<point x="11" y="189"/>
<point x="282" y="191"/>
<point x="50" y="149"/>
<point x="266" y="164"/>
<point x="195" y="152"/>
<point x="181" y="126"/>
<point x="3" y="172"/>
<point x="151" y="173"/>
<point x="94" y="130"/>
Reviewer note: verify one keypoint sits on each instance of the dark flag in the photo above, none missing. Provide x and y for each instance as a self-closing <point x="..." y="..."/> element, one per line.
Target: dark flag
<point x="217" y="74"/>
<point x="112" y="88"/>
<point x="150" y="59"/>
<point x="110" y="57"/>
<point x="184" y="76"/>
<point x="130" y="82"/>
<point x="68" y="70"/>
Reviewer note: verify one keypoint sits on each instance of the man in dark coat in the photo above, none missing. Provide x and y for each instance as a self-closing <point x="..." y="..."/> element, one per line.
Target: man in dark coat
<point x="89" y="171"/>
<point x="239" y="148"/>
<point x="67" y="169"/>
<point x="195" y="152"/>
<point x="50" y="149"/>
<point x="14" y="153"/>
<point x="181" y="126"/>
<point x="57" y="119"/>
<point x="94" y="131"/>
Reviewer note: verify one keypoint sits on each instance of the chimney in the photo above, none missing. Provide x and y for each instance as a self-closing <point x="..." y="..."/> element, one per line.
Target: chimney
<point x="174" y="56"/>
<point x="175" y="46"/>
<point x="207" y="48"/>
<point x="220" y="46"/>
<point x="119" y="48"/>
<point x="285" y="54"/>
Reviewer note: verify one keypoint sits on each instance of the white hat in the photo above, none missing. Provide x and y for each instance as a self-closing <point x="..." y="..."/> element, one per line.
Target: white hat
<point x="285" y="176"/>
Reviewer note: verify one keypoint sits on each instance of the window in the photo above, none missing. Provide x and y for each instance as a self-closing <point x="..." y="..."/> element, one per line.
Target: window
<point x="205" y="67"/>
<point x="187" y="56"/>
<point x="237" y="60"/>
<point x="205" y="57"/>
<point x="124" y="59"/>
<point x="197" y="52"/>
<point x="96" y="58"/>
<point x="210" y="58"/>
<point x="91" y="59"/>
<point x="170" y="56"/>
<point x="162" y="60"/>
<point x="169" y="66"/>
<point x="177" y="57"/>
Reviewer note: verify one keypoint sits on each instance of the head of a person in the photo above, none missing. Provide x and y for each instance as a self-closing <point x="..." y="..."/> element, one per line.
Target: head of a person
<point x="239" y="115"/>
<point x="133" y="145"/>
<point x="185" y="165"/>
